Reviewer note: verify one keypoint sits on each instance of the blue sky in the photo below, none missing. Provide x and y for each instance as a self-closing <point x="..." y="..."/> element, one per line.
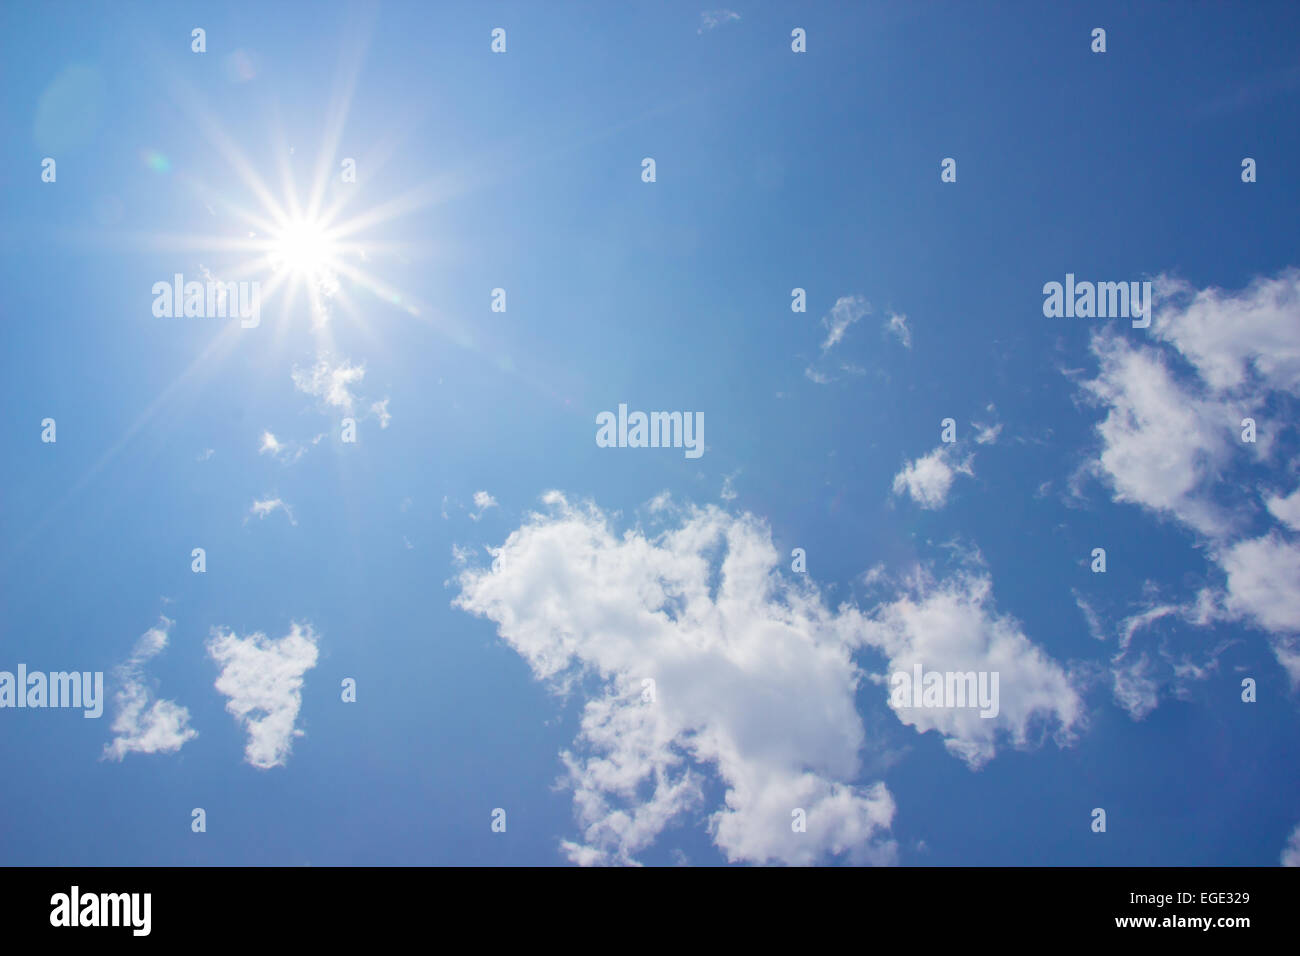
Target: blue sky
<point x="512" y="679"/>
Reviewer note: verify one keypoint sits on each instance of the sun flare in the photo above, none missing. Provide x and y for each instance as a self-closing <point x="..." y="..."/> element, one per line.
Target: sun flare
<point x="303" y="247"/>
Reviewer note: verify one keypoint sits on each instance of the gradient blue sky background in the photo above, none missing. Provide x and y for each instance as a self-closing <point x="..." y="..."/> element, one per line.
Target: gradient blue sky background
<point x="523" y="171"/>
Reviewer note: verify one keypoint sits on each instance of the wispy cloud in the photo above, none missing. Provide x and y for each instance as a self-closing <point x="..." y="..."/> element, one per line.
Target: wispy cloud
<point x="728" y="486"/>
<point x="265" y="507"/>
<point x="287" y="452"/>
<point x="846" y="311"/>
<point x="482" y="501"/>
<point x="330" y="383"/>
<point x="712" y="19"/>
<point x="897" y="327"/>
<point x="1291" y="852"/>
<point x="144" y="724"/>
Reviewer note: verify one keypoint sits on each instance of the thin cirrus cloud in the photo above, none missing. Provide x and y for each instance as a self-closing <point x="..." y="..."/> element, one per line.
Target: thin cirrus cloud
<point x="143" y="723"/>
<point x="263" y="680"/>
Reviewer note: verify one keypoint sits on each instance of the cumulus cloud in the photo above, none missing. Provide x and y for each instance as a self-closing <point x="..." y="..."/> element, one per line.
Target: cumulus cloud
<point x="264" y="679"/>
<point x="380" y="411"/>
<point x="1163" y="446"/>
<point x="1264" y="586"/>
<point x="1264" y="581"/>
<point x="1286" y="510"/>
<point x="953" y="627"/>
<point x="1171" y="443"/>
<point x="753" y="681"/>
<point x="144" y="724"/>
<point x="928" y="479"/>
<point x="1249" y="338"/>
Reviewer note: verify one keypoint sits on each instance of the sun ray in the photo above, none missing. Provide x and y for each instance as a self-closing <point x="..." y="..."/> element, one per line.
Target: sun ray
<point x="203" y="367"/>
<point x="356" y="42"/>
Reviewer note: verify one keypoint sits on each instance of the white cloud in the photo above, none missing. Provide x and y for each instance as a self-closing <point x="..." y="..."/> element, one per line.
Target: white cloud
<point x="1171" y="443"/>
<point x="329" y="383"/>
<point x="929" y="479"/>
<point x="1264" y="585"/>
<point x="819" y="377"/>
<point x="1134" y="688"/>
<point x="1291" y="852"/>
<point x="897" y="326"/>
<point x="482" y="501"/>
<point x="754" y="681"/>
<point x="1162" y="445"/>
<point x="728" y="487"/>
<point x="287" y="452"/>
<point x="1286" y="510"/>
<point x="265" y="507"/>
<point x="1089" y="615"/>
<point x="1145" y="665"/>
<point x="380" y="410"/>
<point x="711" y="19"/>
<point x="206" y="454"/>
<point x="144" y="724"/>
<point x="953" y="626"/>
<point x="1234" y="338"/>
<point x="846" y="310"/>
<point x="1264" y="582"/>
<point x="264" y="679"/>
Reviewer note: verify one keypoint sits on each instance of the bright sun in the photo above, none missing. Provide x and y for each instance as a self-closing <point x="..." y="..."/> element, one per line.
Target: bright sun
<point x="304" y="248"/>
